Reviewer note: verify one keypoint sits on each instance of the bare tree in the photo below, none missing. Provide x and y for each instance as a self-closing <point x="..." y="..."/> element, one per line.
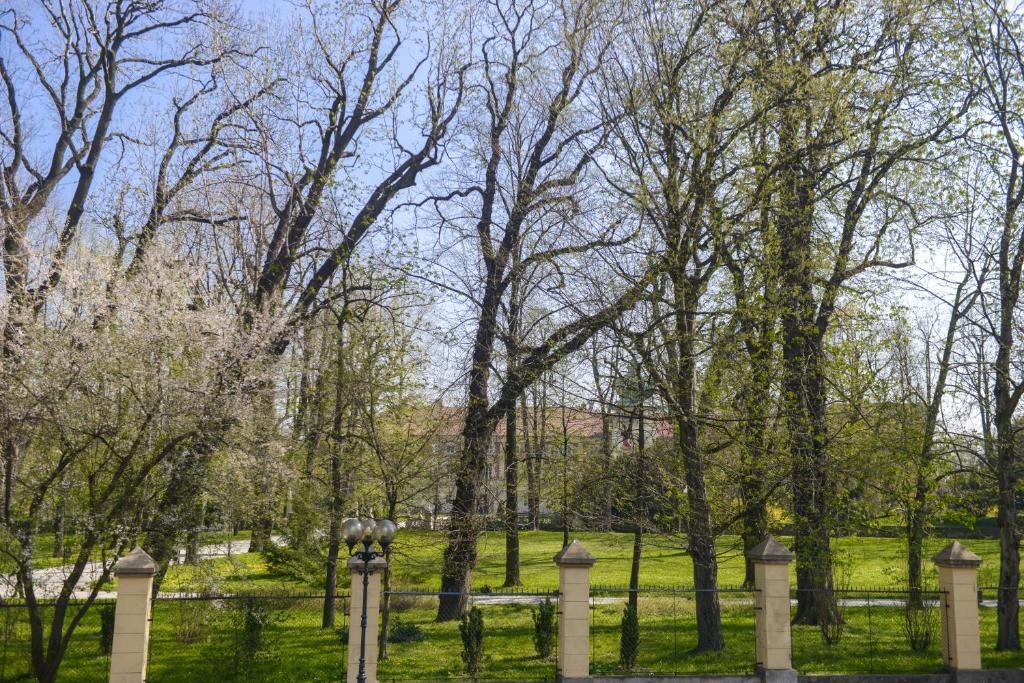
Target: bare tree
<point x="318" y="180"/>
<point x="525" y="187"/>
<point x="994" y="32"/>
<point x="682" y="86"/>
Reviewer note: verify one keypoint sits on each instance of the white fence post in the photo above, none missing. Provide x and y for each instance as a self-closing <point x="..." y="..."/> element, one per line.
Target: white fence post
<point x="128" y="654"/>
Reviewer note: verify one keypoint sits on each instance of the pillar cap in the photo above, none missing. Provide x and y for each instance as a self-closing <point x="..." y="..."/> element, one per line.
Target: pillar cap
<point x="770" y="551"/>
<point x="956" y="555"/>
<point x="136" y="563"/>
<point x="376" y="564"/>
<point x="574" y="555"/>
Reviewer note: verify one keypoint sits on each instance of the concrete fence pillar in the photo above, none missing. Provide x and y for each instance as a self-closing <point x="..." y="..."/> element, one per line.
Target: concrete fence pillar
<point x="574" y="563"/>
<point x="773" y="643"/>
<point x="134" y="572"/>
<point x="355" y="609"/>
<point x="958" y="581"/>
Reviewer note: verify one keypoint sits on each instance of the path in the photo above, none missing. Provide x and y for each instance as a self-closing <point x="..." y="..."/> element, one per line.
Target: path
<point x="48" y="582"/>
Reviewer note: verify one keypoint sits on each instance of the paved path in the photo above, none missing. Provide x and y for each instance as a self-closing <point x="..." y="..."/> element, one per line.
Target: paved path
<point x="48" y="582"/>
<point x="512" y="599"/>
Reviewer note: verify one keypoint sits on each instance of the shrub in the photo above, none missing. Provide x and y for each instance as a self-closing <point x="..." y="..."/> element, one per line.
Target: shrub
<point x="629" y="644"/>
<point x="193" y="617"/>
<point x="472" y="631"/>
<point x="253" y="616"/>
<point x="106" y="629"/>
<point x="830" y="617"/>
<point x="918" y="626"/>
<point x="401" y="632"/>
<point x="544" y="628"/>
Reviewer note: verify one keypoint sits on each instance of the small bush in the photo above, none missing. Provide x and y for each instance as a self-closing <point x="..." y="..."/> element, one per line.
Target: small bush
<point x="829" y="616"/>
<point x="918" y="626"/>
<point x="629" y="644"/>
<point x="106" y="629"/>
<point x="253" y="615"/>
<point x="544" y="628"/>
<point x="342" y="633"/>
<point x="472" y="631"/>
<point x="402" y="632"/>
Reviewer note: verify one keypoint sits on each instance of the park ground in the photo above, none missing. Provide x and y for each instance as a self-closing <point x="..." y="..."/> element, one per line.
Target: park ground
<point x="199" y="640"/>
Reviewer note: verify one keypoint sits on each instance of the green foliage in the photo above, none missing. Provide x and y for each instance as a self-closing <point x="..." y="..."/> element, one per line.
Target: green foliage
<point x="403" y="632"/>
<point x="303" y="564"/>
<point x="193" y="618"/>
<point x="544" y="628"/>
<point x="106" y="632"/>
<point x="196" y="615"/>
<point x="472" y="632"/>
<point x="629" y="641"/>
<point x="253" y="616"/>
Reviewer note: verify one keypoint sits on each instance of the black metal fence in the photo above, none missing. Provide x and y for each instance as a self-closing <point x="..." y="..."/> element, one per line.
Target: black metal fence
<point x="867" y="630"/>
<point x="87" y="657"/>
<point x="665" y="639"/>
<point x="250" y="637"/>
<point x="278" y="637"/>
<point x="421" y="648"/>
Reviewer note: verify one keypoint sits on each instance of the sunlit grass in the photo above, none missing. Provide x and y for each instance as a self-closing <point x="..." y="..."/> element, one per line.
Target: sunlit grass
<point x="298" y="649"/>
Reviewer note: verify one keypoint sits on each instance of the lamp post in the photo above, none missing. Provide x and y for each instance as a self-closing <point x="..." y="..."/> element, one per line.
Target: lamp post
<point x="366" y="532"/>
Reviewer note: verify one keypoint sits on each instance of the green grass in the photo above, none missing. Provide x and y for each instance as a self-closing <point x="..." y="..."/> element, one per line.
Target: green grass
<point x="298" y="649"/>
<point x="861" y="561"/>
<point x="240" y="573"/>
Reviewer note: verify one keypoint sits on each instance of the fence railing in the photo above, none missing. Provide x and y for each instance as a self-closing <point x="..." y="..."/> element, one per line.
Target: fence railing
<point x="665" y="638"/>
<point x="868" y="630"/>
<point x="241" y="637"/>
<point x="578" y="631"/>
<point x="418" y="647"/>
<point x="88" y="653"/>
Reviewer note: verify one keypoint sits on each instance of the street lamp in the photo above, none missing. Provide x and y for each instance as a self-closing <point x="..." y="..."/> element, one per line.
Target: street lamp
<point x="366" y="532"/>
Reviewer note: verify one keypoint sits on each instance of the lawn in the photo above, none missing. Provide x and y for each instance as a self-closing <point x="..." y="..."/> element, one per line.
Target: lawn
<point x="206" y="640"/>
<point x="861" y="561"/>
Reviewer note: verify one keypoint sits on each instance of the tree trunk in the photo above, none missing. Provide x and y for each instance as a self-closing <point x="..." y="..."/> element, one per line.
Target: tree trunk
<point x="1006" y="401"/>
<point x="194" y="538"/>
<point x="753" y="489"/>
<point x="337" y="501"/>
<point x="466" y="524"/>
<point x="700" y="535"/>
<point x="511" y="502"/>
<point x="59" y="520"/>
<point x="333" y="538"/>
<point x="385" y="599"/>
<point x="639" y="509"/>
<point x="915" y="543"/>
<point x="804" y="390"/>
<point x="634" y="565"/>
<point x="262" y="530"/>
<point x="1009" y="567"/>
<point x="754" y="403"/>
<point x="533" y="473"/>
<point x="752" y="497"/>
<point x="528" y="455"/>
<point x="1008" y="605"/>
<point x="803" y="381"/>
